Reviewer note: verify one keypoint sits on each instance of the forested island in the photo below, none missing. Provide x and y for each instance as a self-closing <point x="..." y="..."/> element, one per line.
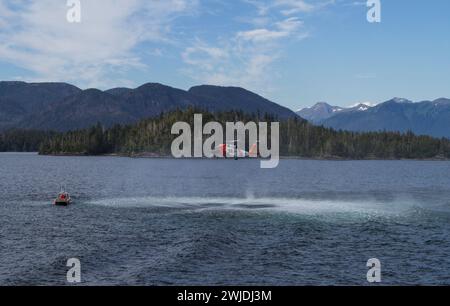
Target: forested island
<point x="18" y="140"/>
<point x="298" y="138"/>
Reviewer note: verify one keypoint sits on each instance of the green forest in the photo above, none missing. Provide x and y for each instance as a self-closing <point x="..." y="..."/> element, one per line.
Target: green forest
<point x="23" y="140"/>
<point x="298" y="138"/>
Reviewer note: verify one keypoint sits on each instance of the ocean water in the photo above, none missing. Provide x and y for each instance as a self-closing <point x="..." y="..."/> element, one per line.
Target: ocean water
<point x="223" y="222"/>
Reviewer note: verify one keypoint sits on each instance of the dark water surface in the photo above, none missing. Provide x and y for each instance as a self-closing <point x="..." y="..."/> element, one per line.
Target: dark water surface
<point x="209" y="222"/>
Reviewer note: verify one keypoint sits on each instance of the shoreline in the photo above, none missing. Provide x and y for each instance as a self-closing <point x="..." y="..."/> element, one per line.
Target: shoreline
<point x="159" y="156"/>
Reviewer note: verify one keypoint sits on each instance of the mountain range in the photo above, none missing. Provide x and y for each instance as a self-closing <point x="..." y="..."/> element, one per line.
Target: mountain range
<point x="401" y="115"/>
<point x="63" y="107"/>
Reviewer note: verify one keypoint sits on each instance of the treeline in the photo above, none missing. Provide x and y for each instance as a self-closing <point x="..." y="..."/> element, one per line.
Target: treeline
<point x="23" y="140"/>
<point x="298" y="138"/>
<point x="150" y="135"/>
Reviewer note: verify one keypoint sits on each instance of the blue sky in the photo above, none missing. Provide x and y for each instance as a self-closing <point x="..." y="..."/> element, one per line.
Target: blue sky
<point x="295" y="52"/>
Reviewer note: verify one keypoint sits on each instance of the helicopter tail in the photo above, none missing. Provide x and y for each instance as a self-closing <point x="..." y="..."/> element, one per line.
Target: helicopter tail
<point x="253" y="152"/>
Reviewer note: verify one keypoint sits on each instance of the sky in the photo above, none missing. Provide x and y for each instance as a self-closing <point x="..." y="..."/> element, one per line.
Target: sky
<point x="294" y="52"/>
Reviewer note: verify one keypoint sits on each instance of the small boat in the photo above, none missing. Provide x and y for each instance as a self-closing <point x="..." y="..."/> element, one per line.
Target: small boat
<point x="63" y="198"/>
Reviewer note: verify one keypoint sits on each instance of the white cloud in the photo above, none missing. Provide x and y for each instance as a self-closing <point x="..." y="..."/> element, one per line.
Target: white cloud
<point x="107" y="45"/>
<point x="288" y="7"/>
<point x="246" y="58"/>
<point x="203" y="56"/>
<point x="282" y="29"/>
<point x="294" y="6"/>
<point x="260" y="35"/>
<point x="36" y="36"/>
<point x="243" y="60"/>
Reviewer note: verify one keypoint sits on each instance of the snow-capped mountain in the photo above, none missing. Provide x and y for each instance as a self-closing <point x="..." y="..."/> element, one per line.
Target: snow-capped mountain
<point x="398" y="114"/>
<point x="323" y="111"/>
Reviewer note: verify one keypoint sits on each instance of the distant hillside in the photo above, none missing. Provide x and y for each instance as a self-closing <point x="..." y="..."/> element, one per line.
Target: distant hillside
<point x="63" y="107"/>
<point x="400" y="115"/>
<point x="19" y="99"/>
<point x="227" y="98"/>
